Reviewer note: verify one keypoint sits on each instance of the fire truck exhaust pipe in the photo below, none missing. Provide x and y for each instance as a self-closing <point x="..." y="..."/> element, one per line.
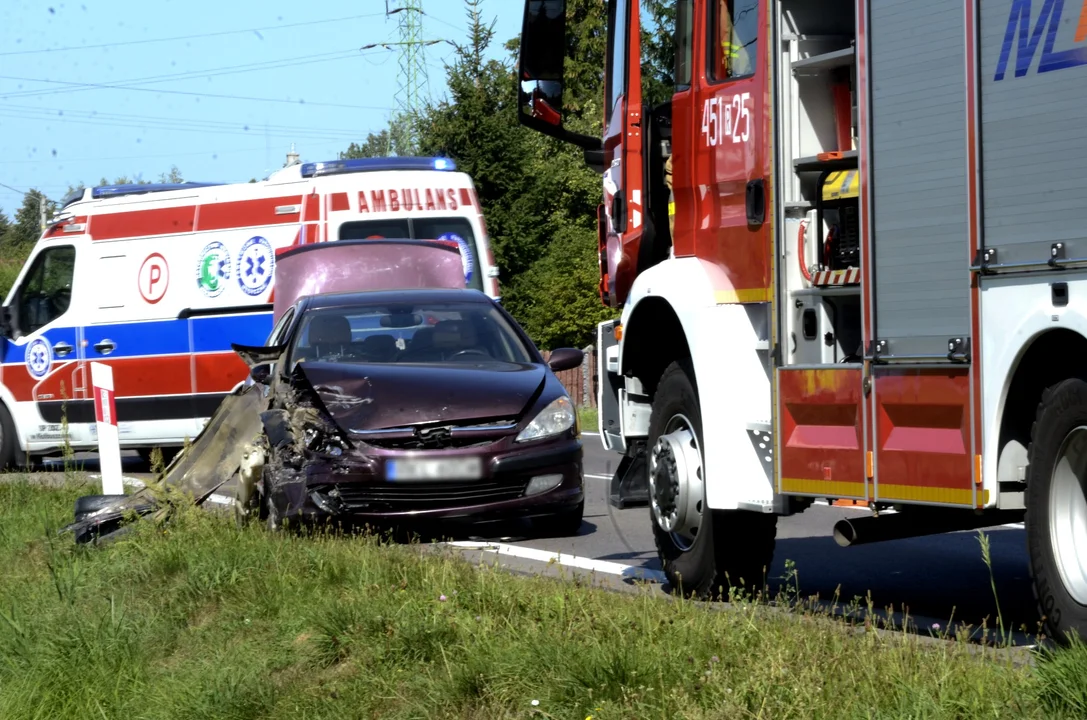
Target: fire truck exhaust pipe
<point x="917" y="523"/>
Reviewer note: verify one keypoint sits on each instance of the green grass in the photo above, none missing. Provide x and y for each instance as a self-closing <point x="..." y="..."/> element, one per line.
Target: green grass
<point x="589" y="419"/>
<point x="202" y="619"/>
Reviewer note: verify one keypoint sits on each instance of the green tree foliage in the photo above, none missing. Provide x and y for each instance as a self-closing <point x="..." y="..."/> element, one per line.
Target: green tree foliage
<point x="174" y="176"/>
<point x="26" y="229"/>
<point x="658" y="21"/>
<point x="391" y="141"/>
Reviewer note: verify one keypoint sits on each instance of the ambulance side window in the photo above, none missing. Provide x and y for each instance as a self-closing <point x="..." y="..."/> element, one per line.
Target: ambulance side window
<point x="733" y="41"/>
<point x="376" y="230"/>
<point x="452" y="228"/>
<point x="46" y="291"/>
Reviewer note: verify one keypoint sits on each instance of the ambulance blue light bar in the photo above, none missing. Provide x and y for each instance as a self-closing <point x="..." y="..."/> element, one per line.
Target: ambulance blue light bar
<point x="108" y="191"/>
<point x="342" y="167"/>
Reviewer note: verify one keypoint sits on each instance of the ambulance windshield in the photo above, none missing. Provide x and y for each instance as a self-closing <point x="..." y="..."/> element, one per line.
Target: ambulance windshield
<point x="457" y="229"/>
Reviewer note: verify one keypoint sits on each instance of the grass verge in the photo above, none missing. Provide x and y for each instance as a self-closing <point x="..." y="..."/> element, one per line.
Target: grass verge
<point x="206" y="619"/>
<point x="589" y="419"/>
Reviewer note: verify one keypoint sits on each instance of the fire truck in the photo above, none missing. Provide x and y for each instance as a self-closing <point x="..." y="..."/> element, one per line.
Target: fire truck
<point x="848" y="252"/>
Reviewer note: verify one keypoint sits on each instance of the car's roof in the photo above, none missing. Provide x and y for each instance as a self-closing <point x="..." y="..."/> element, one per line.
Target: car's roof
<point x="385" y="297"/>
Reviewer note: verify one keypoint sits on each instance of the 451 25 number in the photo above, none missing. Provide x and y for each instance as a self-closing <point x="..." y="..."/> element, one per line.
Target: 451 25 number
<point x="727" y="118"/>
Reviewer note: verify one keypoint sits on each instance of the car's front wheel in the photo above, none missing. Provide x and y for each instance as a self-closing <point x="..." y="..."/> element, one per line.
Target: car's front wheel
<point x="702" y="552"/>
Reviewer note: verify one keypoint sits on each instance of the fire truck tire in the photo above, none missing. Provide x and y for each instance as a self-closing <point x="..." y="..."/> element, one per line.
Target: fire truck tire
<point x="702" y="552"/>
<point x="1056" y="509"/>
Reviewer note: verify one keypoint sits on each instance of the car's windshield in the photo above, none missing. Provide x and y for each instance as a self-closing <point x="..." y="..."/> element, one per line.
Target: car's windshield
<point x="419" y="332"/>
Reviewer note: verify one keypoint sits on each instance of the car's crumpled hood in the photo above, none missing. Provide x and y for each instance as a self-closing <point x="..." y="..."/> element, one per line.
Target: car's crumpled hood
<point x="361" y="397"/>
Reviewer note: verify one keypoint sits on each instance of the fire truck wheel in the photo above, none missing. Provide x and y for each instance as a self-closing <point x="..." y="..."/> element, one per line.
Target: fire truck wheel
<point x="702" y="552"/>
<point x="1056" y="501"/>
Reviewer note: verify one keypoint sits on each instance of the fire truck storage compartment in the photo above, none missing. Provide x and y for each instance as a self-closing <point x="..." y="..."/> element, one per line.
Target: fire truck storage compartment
<point x="921" y="253"/>
<point x="826" y="327"/>
<point x="1033" y="184"/>
<point x="817" y="90"/>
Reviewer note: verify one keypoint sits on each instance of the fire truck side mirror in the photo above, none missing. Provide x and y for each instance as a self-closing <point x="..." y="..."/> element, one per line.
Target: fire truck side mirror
<point x="541" y="61"/>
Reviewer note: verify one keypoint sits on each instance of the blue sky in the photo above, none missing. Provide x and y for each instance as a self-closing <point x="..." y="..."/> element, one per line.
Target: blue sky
<point x="186" y="63"/>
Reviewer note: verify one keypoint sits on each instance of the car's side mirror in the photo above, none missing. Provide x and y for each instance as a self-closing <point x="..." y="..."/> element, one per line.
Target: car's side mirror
<point x="260" y="373"/>
<point x="565" y="359"/>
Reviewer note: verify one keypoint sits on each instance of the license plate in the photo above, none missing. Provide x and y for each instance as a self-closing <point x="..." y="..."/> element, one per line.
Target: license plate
<point x="469" y="468"/>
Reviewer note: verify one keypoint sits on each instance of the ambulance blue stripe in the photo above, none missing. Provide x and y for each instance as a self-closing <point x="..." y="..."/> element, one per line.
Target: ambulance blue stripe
<point x="159" y="337"/>
<point x="213" y="334"/>
<point x="162" y="337"/>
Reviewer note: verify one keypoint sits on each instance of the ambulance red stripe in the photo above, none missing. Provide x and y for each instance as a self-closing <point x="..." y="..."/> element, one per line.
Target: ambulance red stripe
<point x="139" y="223"/>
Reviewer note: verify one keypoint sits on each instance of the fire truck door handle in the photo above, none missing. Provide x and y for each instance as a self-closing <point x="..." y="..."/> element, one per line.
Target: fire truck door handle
<point x="619" y="213"/>
<point x="105" y="346"/>
<point x="62" y="349"/>
<point x="756" y="202"/>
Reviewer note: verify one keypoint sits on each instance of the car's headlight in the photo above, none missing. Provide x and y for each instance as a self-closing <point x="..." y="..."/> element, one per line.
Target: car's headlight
<point x="557" y="417"/>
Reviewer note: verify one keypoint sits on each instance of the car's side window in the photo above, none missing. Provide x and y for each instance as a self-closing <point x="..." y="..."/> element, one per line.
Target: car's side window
<point x="280" y="330"/>
<point x="46" y="291"/>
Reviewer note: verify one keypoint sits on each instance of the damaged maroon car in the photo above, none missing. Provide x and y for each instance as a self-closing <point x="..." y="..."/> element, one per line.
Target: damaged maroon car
<point x="411" y="404"/>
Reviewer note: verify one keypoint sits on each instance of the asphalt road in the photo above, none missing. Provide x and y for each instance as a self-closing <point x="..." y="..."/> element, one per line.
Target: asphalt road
<point x="935" y="579"/>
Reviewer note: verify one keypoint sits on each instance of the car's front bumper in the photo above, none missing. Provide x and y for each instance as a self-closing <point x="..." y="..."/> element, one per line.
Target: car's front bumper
<point x="361" y="492"/>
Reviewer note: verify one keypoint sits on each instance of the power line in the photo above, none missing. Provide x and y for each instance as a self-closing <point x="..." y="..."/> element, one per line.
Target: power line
<point x="190" y="37"/>
<point x="152" y="119"/>
<point x="180" y="127"/>
<point x="214" y="153"/>
<point x="9" y="187"/>
<point x="443" y="22"/>
<point x="221" y="96"/>
<point x="192" y="74"/>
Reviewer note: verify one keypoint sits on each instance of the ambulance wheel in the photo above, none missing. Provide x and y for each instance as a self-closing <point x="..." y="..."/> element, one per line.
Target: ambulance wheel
<point x="702" y="552"/>
<point x="9" y="442"/>
<point x="1056" y="502"/>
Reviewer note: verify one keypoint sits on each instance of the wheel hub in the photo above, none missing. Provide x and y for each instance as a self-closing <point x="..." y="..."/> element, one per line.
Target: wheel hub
<point x="1068" y="514"/>
<point x="675" y="481"/>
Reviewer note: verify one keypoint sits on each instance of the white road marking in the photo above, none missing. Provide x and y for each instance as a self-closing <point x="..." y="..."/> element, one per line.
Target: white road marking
<point x="592" y="434"/>
<point x="572" y="561"/>
<point x="597" y="476"/>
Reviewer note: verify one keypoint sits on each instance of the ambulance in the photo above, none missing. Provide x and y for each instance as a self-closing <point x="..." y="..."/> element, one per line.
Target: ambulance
<point x="158" y="280"/>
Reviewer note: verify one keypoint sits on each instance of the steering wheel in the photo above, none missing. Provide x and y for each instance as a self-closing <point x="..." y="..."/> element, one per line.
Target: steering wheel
<point x="470" y="351"/>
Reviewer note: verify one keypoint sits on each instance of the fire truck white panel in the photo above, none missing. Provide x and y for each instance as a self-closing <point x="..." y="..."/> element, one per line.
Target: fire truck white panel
<point x="919" y="193"/>
<point x="1033" y="108"/>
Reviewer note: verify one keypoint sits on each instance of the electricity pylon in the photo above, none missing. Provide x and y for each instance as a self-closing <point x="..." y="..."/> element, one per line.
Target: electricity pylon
<point x="413" y="73"/>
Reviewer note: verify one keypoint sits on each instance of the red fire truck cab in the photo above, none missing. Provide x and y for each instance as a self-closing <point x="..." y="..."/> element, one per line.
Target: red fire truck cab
<point x="861" y="279"/>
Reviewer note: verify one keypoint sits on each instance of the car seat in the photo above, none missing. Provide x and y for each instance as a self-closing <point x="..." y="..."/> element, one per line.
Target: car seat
<point x="329" y="335"/>
<point x="379" y="348"/>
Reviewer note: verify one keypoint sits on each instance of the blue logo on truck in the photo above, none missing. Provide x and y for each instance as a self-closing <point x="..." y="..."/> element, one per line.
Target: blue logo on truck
<point x="1049" y="20"/>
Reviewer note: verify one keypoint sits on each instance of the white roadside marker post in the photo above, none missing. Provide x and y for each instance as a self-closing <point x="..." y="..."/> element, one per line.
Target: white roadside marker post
<point x="109" y="443"/>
